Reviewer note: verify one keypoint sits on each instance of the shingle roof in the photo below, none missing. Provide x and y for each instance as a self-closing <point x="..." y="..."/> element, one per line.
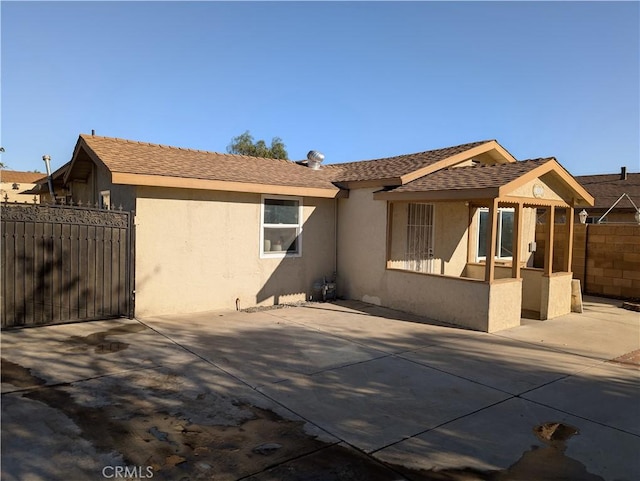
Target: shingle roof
<point x="20" y="177"/>
<point x="607" y="188"/>
<point x="472" y="177"/>
<point x="393" y="167"/>
<point x="126" y="156"/>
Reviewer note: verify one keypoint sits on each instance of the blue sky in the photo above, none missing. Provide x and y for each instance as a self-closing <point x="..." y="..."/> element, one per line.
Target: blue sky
<point x="357" y="80"/>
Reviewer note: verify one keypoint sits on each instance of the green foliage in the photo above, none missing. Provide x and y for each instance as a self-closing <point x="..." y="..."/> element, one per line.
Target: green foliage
<point x="244" y="145"/>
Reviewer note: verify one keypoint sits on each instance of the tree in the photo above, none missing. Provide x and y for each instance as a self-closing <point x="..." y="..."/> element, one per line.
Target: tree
<point x="244" y="145"/>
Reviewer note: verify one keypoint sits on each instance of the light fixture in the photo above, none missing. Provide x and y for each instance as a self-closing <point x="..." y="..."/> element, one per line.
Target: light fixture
<point x="583" y="216"/>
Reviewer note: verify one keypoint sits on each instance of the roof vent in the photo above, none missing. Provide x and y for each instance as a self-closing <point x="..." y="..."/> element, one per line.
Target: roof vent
<point x="314" y="159"/>
<point x="623" y="173"/>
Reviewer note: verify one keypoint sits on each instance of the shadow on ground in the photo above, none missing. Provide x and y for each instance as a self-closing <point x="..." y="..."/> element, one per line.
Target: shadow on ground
<point x="200" y="414"/>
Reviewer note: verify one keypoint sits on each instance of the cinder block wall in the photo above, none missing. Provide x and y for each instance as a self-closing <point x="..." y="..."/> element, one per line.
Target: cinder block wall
<point x="613" y="260"/>
<point x="606" y="257"/>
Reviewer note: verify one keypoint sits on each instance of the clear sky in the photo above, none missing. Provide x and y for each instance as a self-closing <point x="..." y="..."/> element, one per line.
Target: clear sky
<point x="357" y="80"/>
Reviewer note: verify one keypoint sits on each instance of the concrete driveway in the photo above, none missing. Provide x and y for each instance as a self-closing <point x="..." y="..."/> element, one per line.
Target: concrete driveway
<point x="340" y="391"/>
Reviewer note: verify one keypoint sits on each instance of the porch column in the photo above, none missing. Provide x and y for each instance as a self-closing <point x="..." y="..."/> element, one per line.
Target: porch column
<point x="517" y="240"/>
<point x="568" y="244"/>
<point x="490" y="262"/>
<point x="548" y="250"/>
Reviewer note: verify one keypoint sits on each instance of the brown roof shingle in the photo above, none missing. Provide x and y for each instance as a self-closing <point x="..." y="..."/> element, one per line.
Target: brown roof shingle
<point x="126" y="156"/>
<point x="20" y="177"/>
<point x="472" y="177"/>
<point x="607" y="188"/>
<point x="394" y="167"/>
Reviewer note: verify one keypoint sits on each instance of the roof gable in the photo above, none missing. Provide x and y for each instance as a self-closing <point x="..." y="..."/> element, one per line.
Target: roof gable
<point x="401" y="169"/>
<point x="488" y="181"/>
<point x="140" y="163"/>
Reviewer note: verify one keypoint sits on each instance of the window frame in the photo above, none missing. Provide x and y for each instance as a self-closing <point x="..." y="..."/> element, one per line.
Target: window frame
<point x="480" y="258"/>
<point x="280" y="254"/>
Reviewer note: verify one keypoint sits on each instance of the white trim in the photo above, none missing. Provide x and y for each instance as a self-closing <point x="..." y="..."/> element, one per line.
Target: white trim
<point x="280" y="254"/>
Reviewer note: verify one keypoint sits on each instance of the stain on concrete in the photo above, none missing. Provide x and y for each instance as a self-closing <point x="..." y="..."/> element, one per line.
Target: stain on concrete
<point x="175" y="446"/>
<point x="550" y="462"/>
<point x="630" y="360"/>
<point x="195" y="441"/>
<point x="18" y="375"/>
<point x="100" y="342"/>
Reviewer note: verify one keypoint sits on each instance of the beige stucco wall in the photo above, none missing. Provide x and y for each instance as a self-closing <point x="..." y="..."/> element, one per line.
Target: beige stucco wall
<point x="531" y="289"/>
<point x="555" y="295"/>
<point x="550" y="189"/>
<point x="16" y="195"/>
<point x="462" y="302"/>
<point x="505" y="299"/>
<point x="362" y="272"/>
<point x="450" y="237"/>
<point x="199" y="250"/>
<point x="362" y="227"/>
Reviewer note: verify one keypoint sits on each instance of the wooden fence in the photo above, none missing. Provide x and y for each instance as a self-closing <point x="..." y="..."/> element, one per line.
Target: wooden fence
<point x="64" y="263"/>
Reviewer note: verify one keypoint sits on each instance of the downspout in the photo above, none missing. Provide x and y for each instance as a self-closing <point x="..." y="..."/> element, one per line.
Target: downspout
<point x="46" y="159"/>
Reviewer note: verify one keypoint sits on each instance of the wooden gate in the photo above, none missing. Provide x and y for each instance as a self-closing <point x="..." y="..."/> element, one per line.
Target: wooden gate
<point x="65" y="263"/>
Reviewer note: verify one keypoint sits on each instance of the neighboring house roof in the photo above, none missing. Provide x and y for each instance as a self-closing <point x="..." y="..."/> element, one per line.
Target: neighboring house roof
<point x="20" y="177"/>
<point x="607" y="188"/>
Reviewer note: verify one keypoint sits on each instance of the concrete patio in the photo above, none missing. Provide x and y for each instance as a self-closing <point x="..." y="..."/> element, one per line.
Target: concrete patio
<point x="339" y="391"/>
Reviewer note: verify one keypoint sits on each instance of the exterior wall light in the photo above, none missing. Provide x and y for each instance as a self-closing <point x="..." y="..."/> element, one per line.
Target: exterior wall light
<point x="583" y="216"/>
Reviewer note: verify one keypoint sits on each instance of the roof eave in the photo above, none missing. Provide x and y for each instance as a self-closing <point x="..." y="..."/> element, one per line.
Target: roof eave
<point x="439" y="195"/>
<point x="224" y="185"/>
<point x="581" y="196"/>
<point x="82" y="144"/>
<point x="457" y="158"/>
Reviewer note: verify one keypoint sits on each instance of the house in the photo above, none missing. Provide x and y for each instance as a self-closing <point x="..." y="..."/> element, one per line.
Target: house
<point x="445" y="233"/>
<point x="618" y="192"/>
<point x="15" y="186"/>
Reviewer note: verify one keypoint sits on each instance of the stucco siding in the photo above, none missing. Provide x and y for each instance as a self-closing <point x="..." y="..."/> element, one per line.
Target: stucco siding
<point x="362" y="227"/>
<point x="200" y="250"/>
<point x="462" y="302"/>
<point x="556" y="295"/>
<point x="452" y="222"/>
<point x="362" y="272"/>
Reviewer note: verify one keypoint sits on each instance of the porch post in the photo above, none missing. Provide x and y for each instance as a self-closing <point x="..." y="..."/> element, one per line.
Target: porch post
<point x="548" y="250"/>
<point x="517" y="241"/>
<point x="490" y="262"/>
<point x="568" y="244"/>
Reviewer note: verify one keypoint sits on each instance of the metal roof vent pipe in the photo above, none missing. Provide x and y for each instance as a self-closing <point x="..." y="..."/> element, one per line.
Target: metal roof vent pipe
<point x="314" y="159"/>
<point x="623" y="173"/>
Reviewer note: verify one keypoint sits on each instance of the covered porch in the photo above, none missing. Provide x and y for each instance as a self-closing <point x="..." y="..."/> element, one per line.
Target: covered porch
<point x="464" y="255"/>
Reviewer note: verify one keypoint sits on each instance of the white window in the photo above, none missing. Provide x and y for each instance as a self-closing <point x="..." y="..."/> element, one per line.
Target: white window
<point x="419" y="250"/>
<point x="281" y="226"/>
<point x="504" y="233"/>
<point x="105" y="199"/>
